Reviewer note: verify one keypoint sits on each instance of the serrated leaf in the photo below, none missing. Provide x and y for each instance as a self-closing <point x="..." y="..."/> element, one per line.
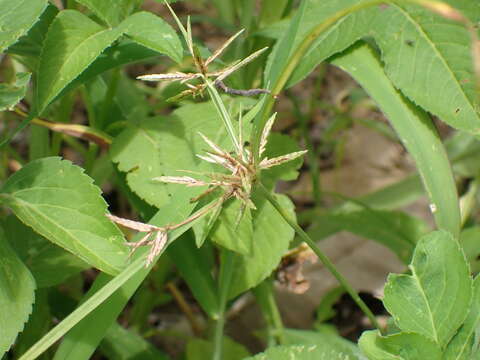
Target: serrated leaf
<point x="394" y="229"/>
<point x="50" y="264"/>
<point x="302" y="352"/>
<point x="11" y="94"/>
<point x="431" y="301"/>
<point x="17" y="18"/>
<point x="17" y="288"/>
<point x="60" y="202"/>
<point x="73" y="42"/>
<point x="153" y="32"/>
<point x="164" y="146"/>
<point x="112" y="12"/>
<point x="271" y="237"/>
<point x="461" y="346"/>
<point x="402" y="346"/>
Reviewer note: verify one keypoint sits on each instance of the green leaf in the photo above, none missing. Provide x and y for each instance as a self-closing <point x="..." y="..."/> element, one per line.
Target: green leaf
<point x="73" y="42"/>
<point x="394" y="229"/>
<point x="271" y="237"/>
<point x="59" y="202"/>
<point x="232" y="232"/>
<point x="164" y="146"/>
<point x="29" y="46"/>
<point x="17" y="288"/>
<point x="302" y="352"/>
<point x="471" y="247"/>
<point x="402" y="346"/>
<point x="122" y="344"/>
<point x="153" y="32"/>
<point x="416" y="131"/>
<point x="16" y="18"/>
<point x="50" y="264"/>
<point x="431" y="301"/>
<point x="461" y="346"/>
<point x="277" y="145"/>
<point x="199" y="349"/>
<point x="106" y="298"/>
<point x="112" y="12"/>
<point x="11" y="94"/>
<point x="324" y="340"/>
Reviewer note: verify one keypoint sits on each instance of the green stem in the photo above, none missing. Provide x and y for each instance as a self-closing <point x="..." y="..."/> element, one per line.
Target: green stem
<point x="225" y="279"/>
<point x="266" y="299"/>
<point x="323" y="258"/>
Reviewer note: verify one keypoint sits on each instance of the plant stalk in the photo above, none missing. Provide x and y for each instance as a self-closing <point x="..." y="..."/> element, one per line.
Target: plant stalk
<point x="323" y="258"/>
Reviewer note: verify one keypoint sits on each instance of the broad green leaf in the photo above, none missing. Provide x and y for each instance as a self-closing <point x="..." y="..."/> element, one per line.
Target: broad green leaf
<point x="11" y="94"/>
<point x="199" y="349"/>
<point x="50" y="264"/>
<point x="106" y="298"/>
<point x="432" y="300"/>
<point x="416" y="131"/>
<point x="196" y="271"/>
<point x="165" y="146"/>
<point x="323" y="340"/>
<point x="421" y="51"/>
<point x="29" y="46"/>
<point x="271" y="237"/>
<point x="302" y="352"/>
<point x="470" y="242"/>
<point x="122" y="344"/>
<point x="73" y="42"/>
<point x="234" y="230"/>
<point x="277" y="145"/>
<point x="112" y="12"/>
<point x="402" y="346"/>
<point x="394" y="229"/>
<point x="59" y="202"/>
<point x="461" y="346"/>
<point x="17" y="288"/>
<point x="153" y="32"/>
<point x="17" y="18"/>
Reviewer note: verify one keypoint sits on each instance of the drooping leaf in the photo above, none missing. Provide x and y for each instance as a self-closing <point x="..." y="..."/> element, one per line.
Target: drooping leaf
<point x="199" y="349"/>
<point x="59" y="202"/>
<point x="17" y="18"/>
<point x="432" y="300"/>
<point x="17" y="288"/>
<point x="11" y="94"/>
<point x="165" y="146"/>
<point x="112" y="12"/>
<point x="271" y="237"/>
<point x="153" y="32"/>
<point x="302" y="352"/>
<point x="402" y="346"/>
<point x="461" y="346"/>
<point x="394" y="229"/>
<point x="50" y="264"/>
<point x="415" y="129"/>
<point x="73" y="42"/>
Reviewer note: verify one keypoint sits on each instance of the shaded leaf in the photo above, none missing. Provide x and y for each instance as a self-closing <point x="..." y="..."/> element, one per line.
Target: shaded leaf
<point x="470" y="242"/>
<point x="402" y="346"/>
<point x="112" y="12"/>
<point x="302" y="352"/>
<point x="461" y="346"/>
<point x="11" y="94"/>
<point x="271" y="238"/>
<point x="199" y="349"/>
<point x="17" y="288"/>
<point x="17" y="18"/>
<point x="50" y="264"/>
<point x="73" y="42"/>
<point x="153" y="32"/>
<point x="59" y="201"/>
<point x="431" y="301"/>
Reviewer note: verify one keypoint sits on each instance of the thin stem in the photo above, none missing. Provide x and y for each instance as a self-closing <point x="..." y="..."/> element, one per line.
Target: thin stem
<point x="185" y="307"/>
<point x="225" y="279"/>
<point x="323" y="258"/>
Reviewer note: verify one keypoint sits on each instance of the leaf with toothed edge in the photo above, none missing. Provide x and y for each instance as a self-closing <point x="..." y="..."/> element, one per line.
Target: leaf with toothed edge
<point x="17" y="295"/>
<point x="60" y="202"/>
